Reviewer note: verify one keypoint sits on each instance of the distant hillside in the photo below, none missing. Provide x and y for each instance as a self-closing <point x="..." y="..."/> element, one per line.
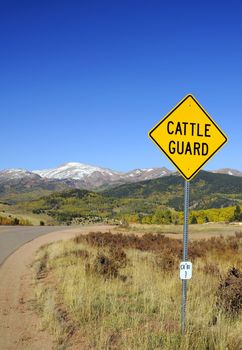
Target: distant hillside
<point x="70" y="205"/>
<point x="28" y="187"/>
<point x="207" y="190"/>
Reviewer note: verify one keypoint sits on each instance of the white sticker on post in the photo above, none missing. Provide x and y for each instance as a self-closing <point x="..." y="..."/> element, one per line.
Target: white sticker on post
<point x="185" y="270"/>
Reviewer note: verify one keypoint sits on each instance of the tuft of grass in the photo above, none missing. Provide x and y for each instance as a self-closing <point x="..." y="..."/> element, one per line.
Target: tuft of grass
<point x="229" y="293"/>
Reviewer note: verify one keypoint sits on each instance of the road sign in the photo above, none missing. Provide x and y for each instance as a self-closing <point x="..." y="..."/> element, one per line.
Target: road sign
<point x="188" y="136"/>
<point x="185" y="270"/>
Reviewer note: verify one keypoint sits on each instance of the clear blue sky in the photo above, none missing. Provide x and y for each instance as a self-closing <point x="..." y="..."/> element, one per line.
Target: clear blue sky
<point x="86" y="80"/>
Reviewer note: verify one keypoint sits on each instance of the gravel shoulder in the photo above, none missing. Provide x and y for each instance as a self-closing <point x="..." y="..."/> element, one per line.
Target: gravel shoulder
<point x="20" y="327"/>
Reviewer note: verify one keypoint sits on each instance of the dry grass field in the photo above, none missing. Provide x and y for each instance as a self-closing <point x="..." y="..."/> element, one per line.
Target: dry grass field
<point x="115" y="291"/>
<point x="198" y="231"/>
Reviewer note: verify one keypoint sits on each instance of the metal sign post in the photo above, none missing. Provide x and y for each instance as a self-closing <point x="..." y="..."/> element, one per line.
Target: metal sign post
<point x="185" y="255"/>
<point x="189" y="137"/>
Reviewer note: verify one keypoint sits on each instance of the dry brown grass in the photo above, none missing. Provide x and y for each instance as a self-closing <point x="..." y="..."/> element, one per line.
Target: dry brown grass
<point x="160" y="243"/>
<point x="123" y="292"/>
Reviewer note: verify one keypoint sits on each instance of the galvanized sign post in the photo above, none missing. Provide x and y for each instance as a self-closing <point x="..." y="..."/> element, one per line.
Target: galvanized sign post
<point x="189" y="137"/>
<point x="185" y="255"/>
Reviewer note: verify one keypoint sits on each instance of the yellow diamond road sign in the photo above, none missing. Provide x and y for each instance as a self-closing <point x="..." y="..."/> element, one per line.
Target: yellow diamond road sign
<point x="188" y="136"/>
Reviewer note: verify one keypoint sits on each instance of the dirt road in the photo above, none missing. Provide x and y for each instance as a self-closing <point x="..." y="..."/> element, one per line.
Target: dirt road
<point x="20" y="327"/>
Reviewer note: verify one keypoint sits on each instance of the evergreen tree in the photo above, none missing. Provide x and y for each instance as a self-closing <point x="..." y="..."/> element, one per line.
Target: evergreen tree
<point x="206" y="219"/>
<point x="193" y="220"/>
<point x="237" y="213"/>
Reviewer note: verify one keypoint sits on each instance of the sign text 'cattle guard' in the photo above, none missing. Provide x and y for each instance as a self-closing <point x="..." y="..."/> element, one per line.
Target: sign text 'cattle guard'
<point x="188" y="136"/>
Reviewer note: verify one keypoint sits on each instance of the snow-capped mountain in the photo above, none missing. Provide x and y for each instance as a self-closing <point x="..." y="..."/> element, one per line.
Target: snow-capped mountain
<point x="227" y="171"/>
<point x="17" y="174"/>
<point x="76" y="171"/>
<point x="93" y="176"/>
<point x="146" y="174"/>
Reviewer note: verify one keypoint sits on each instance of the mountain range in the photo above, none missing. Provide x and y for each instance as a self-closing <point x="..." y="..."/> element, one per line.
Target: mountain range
<point x="21" y="184"/>
<point x="24" y="184"/>
<point x="93" y="176"/>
